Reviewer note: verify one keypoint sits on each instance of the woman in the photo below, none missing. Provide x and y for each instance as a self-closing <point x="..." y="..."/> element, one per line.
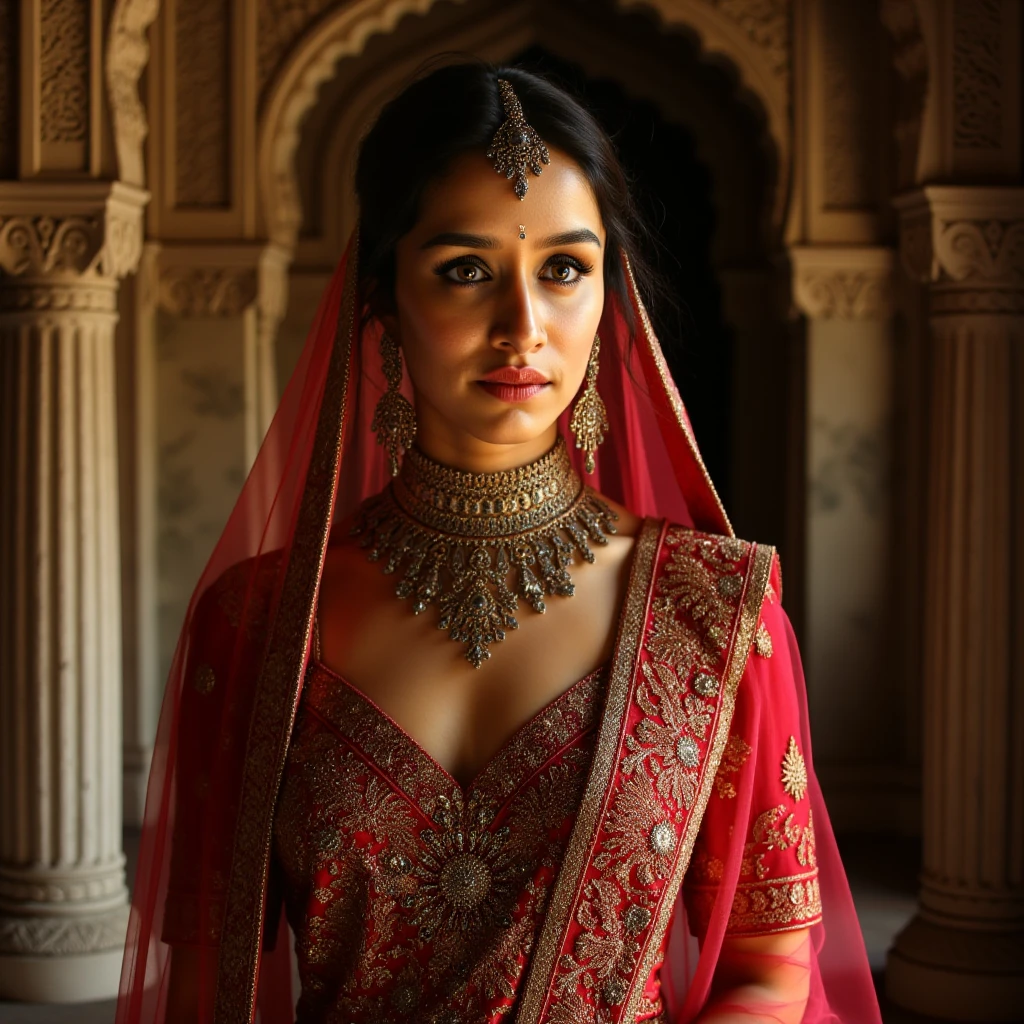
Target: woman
<point x="603" y="812"/>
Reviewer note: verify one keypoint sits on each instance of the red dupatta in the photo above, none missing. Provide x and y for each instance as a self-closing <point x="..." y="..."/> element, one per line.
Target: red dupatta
<point x="203" y="882"/>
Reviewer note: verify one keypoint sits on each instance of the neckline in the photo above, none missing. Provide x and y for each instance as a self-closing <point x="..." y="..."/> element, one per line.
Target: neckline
<point x="482" y="780"/>
<point x="426" y="761"/>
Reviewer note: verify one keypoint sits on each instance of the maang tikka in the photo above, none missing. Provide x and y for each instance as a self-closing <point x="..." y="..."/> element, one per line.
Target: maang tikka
<point x="516" y="146"/>
<point x="589" y="422"/>
<point x="394" y="420"/>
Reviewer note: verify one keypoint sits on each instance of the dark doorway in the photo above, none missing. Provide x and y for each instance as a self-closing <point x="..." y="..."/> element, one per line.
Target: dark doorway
<point x="673" y="190"/>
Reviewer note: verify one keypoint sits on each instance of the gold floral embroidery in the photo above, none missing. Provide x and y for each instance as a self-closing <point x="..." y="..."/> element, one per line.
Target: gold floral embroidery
<point x="693" y="587"/>
<point x="768" y="834"/>
<point x="763" y="642"/>
<point x="640" y="833"/>
<point x="736" y="753"/>
<point x="693" y="616"/>
<point x="604" y="952"/>
<point x="794" y="771"/>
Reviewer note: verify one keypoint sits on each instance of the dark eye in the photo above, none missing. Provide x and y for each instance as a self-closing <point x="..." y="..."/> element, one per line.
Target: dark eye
<point x="465" y="270"/>
<point x="566" y="271"/>
<point x="465" y="273"/>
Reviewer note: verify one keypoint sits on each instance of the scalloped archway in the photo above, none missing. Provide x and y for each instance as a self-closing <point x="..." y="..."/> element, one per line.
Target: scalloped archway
<point x="756" y="49"/>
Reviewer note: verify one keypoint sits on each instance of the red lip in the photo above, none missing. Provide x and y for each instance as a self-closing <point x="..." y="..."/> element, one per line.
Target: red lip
<point x="514" y="375"/>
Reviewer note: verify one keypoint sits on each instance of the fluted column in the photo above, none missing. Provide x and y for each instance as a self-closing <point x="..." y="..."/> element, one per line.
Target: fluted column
<point x="63" y="900"/>
<point x="960" y="958"/>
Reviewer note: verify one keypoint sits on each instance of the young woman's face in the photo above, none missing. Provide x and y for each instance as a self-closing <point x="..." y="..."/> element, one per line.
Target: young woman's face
<point x="496" y="329"/>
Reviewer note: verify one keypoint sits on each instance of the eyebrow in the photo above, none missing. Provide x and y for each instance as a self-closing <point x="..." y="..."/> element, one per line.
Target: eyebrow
<point x="462" y="240"/>
<point x="571" y="238"/>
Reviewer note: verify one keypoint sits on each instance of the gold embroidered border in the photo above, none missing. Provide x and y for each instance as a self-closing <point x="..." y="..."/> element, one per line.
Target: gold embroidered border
<point x="672" y="393"/>
<point x="278" y="687"/>
<point x="782" y="915"/>
<point x="533" y="997"/>
<point x="775" y="909"/>
<point x="758" y="573"/>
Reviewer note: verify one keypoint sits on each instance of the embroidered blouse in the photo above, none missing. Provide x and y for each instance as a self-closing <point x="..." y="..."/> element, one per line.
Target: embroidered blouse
<point x="410" y="899"/>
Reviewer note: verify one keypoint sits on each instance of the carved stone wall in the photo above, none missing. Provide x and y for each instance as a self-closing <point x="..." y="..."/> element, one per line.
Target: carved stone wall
<point x="281" y="24"/>
<point x="64" y="71"/>
<point x="203" y="95"/>
<point x="978" y="106"/>
<point x="971" y="125"/>
<point x="850" y="98"/>
<point x="8" y="88"/>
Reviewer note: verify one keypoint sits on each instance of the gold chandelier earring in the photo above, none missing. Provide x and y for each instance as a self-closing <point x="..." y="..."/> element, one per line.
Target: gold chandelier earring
<point x="394" y="420"/>
<point x="589" y="422"/>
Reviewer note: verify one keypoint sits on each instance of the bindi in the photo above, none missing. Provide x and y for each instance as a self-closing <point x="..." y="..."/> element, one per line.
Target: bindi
<point x="522" y="230"/>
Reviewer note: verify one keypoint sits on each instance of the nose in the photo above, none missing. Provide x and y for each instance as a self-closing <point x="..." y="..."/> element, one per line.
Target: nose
<point x="517" y="327"/>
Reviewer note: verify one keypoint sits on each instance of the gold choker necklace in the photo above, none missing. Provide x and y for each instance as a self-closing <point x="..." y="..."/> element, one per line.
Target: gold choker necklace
<point x="460" y="535"/>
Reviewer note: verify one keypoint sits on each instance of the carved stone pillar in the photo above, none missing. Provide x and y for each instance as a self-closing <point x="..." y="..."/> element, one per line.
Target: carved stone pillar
<point x="63" y="901"/>
<point x="960" y="957"/>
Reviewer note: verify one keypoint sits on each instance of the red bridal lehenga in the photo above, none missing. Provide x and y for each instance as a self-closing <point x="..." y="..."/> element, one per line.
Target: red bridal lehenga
<point x="593" y="868"/>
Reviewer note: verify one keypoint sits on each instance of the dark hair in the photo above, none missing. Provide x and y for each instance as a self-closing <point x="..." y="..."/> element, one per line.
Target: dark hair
<point x="457" y="109"/>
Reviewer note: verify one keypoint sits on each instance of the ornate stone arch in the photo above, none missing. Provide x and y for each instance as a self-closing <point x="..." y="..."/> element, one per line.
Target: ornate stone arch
<point x="752" y="40"/>
<point x="498" y="35"/>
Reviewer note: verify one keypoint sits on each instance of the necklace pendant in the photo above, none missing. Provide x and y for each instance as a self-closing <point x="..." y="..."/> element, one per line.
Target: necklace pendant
<point x="475" y="543"/>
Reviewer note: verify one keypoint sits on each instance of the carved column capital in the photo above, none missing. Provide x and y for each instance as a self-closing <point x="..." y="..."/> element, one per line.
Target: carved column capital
<point x="963" y="234"/>
<point x="968" y="244"/>
<point x="842" y="282"/>
<point x="222" y="280"/>
<point x="89" y="231"/>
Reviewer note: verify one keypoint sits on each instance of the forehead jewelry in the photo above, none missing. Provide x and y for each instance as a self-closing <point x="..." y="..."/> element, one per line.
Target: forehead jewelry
<point x="516" y="145"/>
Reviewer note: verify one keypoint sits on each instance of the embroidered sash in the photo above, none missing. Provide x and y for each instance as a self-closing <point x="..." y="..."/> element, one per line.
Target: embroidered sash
<point x="694" y="613"/>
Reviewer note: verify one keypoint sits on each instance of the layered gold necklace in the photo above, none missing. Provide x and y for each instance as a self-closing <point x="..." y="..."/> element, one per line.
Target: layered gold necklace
<point x="474" y="543"/>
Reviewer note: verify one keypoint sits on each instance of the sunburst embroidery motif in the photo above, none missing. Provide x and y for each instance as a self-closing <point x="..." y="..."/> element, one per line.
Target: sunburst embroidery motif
<point x="794" y="771"/>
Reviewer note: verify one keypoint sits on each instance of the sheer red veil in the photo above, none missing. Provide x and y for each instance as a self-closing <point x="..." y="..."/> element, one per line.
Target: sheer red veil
<point x="318" y="462"/>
